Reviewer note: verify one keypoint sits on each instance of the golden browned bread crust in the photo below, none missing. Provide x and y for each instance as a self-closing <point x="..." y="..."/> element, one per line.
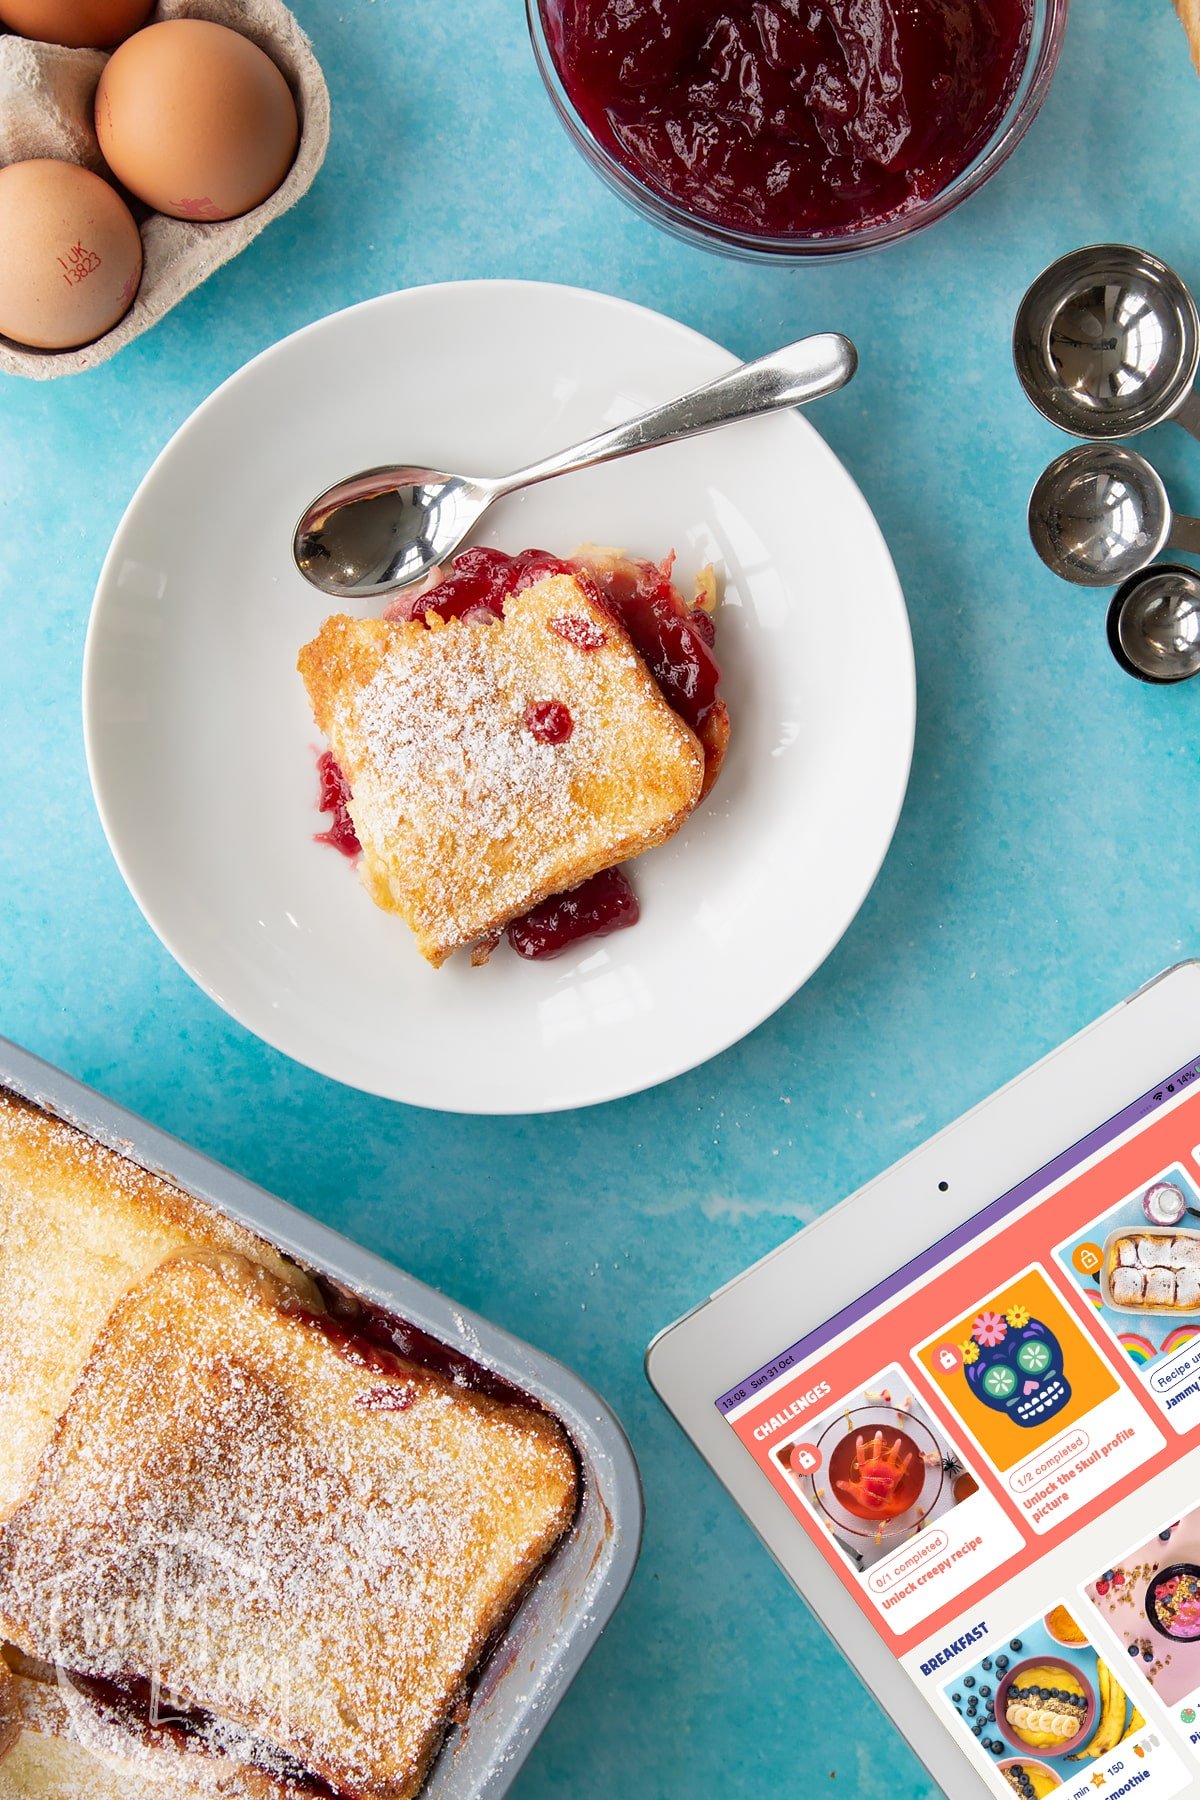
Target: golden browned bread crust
<point x="77" y="1224"/>
<point x="466" y="820"/>
<point x="1189" y="13"/>
<point x="714" y="736"/>
<point x="349" y="1536"/>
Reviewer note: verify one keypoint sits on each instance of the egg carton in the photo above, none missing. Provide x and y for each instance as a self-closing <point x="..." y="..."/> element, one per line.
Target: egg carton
<point x="47" y="93"/>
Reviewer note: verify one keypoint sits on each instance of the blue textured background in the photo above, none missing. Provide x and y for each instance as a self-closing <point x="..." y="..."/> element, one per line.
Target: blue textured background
<point x="1046" y="861"/>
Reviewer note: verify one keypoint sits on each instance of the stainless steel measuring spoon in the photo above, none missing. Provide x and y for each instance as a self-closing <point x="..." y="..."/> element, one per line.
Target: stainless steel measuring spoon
<point x="1099" y="514"/>
<point x="1107" y="344"/>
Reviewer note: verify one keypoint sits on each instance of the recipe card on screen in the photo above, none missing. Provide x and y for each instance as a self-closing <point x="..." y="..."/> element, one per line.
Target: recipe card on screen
<point x="998" y="1450"/>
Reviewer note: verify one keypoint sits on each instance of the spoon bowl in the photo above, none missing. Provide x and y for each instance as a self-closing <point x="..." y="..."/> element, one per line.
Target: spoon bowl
<point x="386" y="528"/>
<point x="1107" y="344"/>
<point x="1154" y="626"/>
<point x="1099" y="514"/>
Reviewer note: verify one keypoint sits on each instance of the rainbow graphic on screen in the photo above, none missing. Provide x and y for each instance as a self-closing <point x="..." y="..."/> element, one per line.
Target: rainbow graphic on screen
<point x="1182" y="1334"/>
<point x="1139" y="1348"/>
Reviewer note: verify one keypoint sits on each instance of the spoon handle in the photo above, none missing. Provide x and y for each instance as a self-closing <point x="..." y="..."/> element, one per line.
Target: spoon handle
<point x="1185" y="534"/>
<point x="788" y="377"/>
<point x="1188" y="414"/>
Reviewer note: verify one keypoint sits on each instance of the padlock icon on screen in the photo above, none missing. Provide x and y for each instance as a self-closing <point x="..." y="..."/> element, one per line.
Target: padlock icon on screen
<point x="1088" y="1259"/>
<point x="948" y="1357"/>
<point x="804" y="1458"/>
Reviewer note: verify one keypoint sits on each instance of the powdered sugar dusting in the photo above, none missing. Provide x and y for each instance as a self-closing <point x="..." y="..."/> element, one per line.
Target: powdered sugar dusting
<point x="77" y="1223"/>
<point x="218" y="1514"/>
<point x="455" y="723"/>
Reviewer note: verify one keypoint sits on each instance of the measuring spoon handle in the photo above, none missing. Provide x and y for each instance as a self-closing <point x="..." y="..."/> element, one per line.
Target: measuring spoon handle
<point x="1185" y="534"/>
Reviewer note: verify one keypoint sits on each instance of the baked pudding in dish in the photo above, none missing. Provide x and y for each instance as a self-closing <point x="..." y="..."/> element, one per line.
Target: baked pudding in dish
<point x="308" y="1546"/>
<point x="508" y="734"/>
<point x="257" y="1535"/>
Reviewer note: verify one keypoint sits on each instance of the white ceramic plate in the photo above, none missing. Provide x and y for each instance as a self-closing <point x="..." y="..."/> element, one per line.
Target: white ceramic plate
<point x="201" y="747"/>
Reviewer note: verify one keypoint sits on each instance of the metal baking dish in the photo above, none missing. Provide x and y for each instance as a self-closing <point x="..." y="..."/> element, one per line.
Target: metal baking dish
<point x="541" y="1652"/>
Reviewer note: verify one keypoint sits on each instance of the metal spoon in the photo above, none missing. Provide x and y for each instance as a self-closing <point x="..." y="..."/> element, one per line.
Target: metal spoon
<point x="1107" y="344"/>
<point x="386" y="527"/>
<point x="1100" y="513"/>
<point x="1154" y="627"/>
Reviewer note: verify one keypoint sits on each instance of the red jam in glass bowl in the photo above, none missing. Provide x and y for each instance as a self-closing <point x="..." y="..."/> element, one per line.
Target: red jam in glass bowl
<point x="791" y="118"/>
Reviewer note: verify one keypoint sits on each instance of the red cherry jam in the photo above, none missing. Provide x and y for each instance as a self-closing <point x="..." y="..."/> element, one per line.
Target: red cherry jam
<point x="673" y="641"/>
<point x="158" y="1719"/>
<point x="335" y="798"/>
<point x="791" y="118"/>
<point x="480" y="579"/>
<point x="549" y="721"/>
<point x="597" y="907"/>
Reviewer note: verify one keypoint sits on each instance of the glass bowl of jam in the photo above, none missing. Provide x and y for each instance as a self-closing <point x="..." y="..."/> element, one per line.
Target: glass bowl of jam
<point x="792" y="129"/>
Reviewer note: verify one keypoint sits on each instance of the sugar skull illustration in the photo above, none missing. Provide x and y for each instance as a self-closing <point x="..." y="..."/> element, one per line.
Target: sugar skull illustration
<point x="1014" y="1364"/>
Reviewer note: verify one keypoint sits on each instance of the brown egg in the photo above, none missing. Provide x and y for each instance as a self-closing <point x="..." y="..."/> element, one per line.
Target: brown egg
<point x="196" y="120"/>
<point x="83" y="24"/>
<point x="72" y="255"/>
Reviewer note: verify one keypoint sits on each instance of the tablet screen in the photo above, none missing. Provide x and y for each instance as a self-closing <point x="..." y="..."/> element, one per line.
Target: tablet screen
<point x="998" y="1449"/>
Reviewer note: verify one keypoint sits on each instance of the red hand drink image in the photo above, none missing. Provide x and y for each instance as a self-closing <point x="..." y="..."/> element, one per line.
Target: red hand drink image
<point x="877" y="1477"/>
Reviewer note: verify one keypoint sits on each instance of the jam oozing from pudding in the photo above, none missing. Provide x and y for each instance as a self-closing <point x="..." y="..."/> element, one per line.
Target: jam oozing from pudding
<point x="549" y="721"/>
<point x="673" y="640"/>
<point x="157" y="1718"/>
<point x="787" y="118"/>
<point x="479" y="579"/>
<point x="335" y="798"/>
<point x="358" y="1328"/>
<point x="595" y="908"/>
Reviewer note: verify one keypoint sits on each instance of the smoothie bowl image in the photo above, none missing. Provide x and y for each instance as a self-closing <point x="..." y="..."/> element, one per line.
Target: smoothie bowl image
<point x="1173" y="1603"/>
<point x="768" y="130"/>
<point x="1045" y="1703"/>
<point x="1028" y="1777"/>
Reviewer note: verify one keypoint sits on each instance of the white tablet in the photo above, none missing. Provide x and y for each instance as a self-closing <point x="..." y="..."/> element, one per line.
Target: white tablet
<point x="962" y="1410"/>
